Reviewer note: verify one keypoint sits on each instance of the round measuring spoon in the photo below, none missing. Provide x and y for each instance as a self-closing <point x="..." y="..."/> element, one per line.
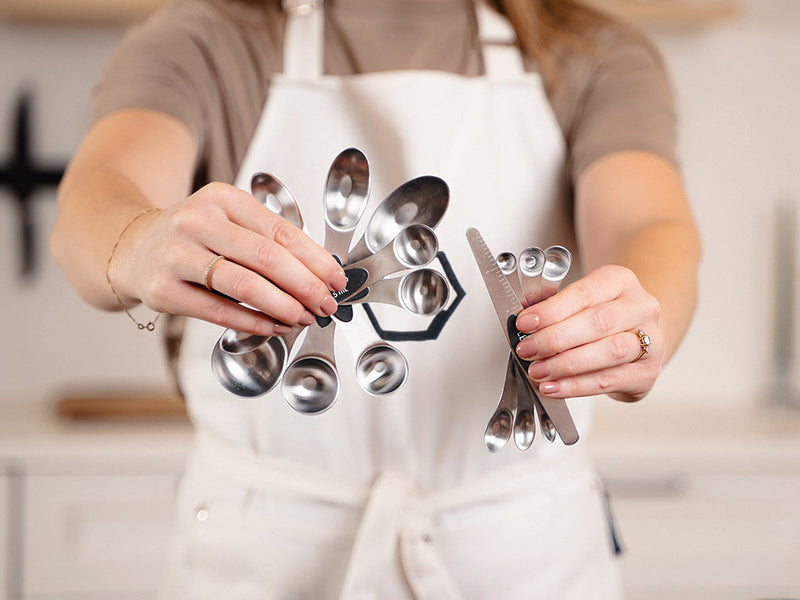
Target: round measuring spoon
<point x="531" y="265"/>
<point x="422" y="201"/>
<point x="556" y="266"/>
<point x="252" y="369"/>
<point x="498" y="430"/>
<point x="421" y="292"/>
<point x="508" y="267"/>
<point x="380" y="367"/>
<point x="346" y="195"/>
<point x="311" y="382"/>
<point x="415" y="246"/>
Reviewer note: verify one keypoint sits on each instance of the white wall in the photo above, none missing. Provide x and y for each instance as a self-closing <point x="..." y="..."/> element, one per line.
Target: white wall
<point x="51" y="341"/>
<point x="738" y="84"/>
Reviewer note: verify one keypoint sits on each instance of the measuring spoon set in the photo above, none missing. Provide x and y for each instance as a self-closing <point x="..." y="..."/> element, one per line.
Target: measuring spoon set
<point x="387" y="265"/>
<point x="514" y="284"/>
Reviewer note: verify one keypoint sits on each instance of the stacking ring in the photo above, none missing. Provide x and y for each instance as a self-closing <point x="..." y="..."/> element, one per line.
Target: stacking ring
<point x="208" y="271"/>
<point x="644" y="343"/>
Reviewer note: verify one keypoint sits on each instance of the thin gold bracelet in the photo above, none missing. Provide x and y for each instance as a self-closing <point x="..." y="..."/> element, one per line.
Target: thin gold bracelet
<point x="150" y="325"/>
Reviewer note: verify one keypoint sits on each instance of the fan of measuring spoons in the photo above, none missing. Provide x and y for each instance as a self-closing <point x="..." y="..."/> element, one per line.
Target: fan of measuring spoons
<point x="534" y="277"/>
<point x="398" y="238"/>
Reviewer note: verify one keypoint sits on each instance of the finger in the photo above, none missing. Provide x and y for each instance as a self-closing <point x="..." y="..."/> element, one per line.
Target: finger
<point x="201" y="304"/>
<point x="265" y="265"/>
<point x="594" y="323"/>
<point x="628" y="382"/>
<point x="598" y="287"/>
<point x="252" y="215"/>
<point x="244" y="285"/>
<point x="612" y="351"/>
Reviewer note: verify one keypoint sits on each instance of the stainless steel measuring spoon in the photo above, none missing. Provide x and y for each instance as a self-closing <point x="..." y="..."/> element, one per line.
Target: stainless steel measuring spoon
<point x="310" y="383"/>
<point x="254" y="366"/>
<point x="251" y="365"/>
<point x="531" y="266"/>
<point x="415" y="246"/>
<point x="346" y="195"/>
<point x="421" y="292"/>
<point x="381" y="368"/>
<point x="498" y="430"/>
<point x="508" y="267"/>
<point x="422" y="200"/>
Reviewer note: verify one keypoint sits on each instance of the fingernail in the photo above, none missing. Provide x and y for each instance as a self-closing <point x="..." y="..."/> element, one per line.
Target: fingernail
<point x="329" y="305"/>
<point x="338" y="281"/>
<point x="528" y="322"/>
<point x="526" y="348"/>
<point x="307" y="319"/>
<point x="549" y="387"/>
<point x="539" y="370"/>
<point x="281" y="329"/>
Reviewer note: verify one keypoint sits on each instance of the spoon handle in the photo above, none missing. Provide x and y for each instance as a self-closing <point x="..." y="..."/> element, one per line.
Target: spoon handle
<point x="318" y="343"/>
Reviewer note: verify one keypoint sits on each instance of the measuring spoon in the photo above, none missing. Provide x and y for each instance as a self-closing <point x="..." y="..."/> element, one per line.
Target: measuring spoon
<point x="508" y="267"/>
<point x="531" y="265"/>
<point x="415" y="246"/>
<point x="345" y="198"/>
<point x="422" y="201"/>
<point x="250" y="365"/>
<point x="311" y="383"/>
<point x="421" y="292"/>
<point x="498" y="431"/>
<point x="556" y="266"/>
<point x="272" y="193"/>
<point x="380" y="367"/>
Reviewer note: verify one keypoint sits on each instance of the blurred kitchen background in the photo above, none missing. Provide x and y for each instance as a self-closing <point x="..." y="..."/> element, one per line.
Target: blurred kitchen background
<point x="704" y="475"/>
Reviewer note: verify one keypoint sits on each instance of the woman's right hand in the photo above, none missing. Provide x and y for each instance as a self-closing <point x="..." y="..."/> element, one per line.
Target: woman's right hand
<point x="270" y="265"/>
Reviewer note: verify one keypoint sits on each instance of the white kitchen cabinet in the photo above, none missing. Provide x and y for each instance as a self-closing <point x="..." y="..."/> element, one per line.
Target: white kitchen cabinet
<point x="707" y="508"/>
<point x="86" y="509"/>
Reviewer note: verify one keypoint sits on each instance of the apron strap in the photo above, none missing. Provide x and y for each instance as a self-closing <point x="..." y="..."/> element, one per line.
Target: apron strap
<point x="501" y="56"/>
<point x="305" y="35"/>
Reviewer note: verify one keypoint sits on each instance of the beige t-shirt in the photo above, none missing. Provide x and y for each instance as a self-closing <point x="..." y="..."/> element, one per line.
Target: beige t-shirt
<point x="209" y="62"/>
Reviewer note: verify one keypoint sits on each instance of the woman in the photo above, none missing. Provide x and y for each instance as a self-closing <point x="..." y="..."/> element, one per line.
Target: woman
<point x="554" y="126"/>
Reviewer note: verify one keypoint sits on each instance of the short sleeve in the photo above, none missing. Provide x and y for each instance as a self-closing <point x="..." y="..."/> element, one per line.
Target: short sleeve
<point x="623" y="100"/>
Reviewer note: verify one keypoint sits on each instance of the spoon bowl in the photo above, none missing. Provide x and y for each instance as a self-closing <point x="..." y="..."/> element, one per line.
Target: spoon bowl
<point x="272" y="193"/>
<point x="311" y="385"/>
<point x="422" y="201"/>
<point x="250" y="373"/>
<point x="381" y="369"/>
<point x="346" y="195"/>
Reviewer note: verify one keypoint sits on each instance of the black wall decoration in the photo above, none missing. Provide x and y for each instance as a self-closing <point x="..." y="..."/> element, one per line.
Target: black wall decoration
<point x="22" y="177"/>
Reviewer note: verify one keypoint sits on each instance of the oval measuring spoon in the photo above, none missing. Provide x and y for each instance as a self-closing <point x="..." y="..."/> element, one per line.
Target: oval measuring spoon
<point x="525" y="418"/>
<point x="311" y="382"/>
<point x="422" y="200"/>
<point x="272" y="193"/>
<point x="421" y="292"/>
<point x="498" y="430"/>
<point x="415" y="246"/>
<point x="251" y="365"/>
<point x="346" y="195"/>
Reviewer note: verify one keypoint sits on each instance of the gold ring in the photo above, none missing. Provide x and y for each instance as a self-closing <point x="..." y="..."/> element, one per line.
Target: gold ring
<point x="210" y="266"/>
<point x="644" y="343"/>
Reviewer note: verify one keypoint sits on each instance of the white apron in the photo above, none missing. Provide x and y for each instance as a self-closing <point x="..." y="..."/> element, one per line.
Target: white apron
<point x="397" y="497"/>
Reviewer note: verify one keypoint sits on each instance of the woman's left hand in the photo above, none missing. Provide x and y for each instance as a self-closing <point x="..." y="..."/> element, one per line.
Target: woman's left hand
<point x="583" y="340"/>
